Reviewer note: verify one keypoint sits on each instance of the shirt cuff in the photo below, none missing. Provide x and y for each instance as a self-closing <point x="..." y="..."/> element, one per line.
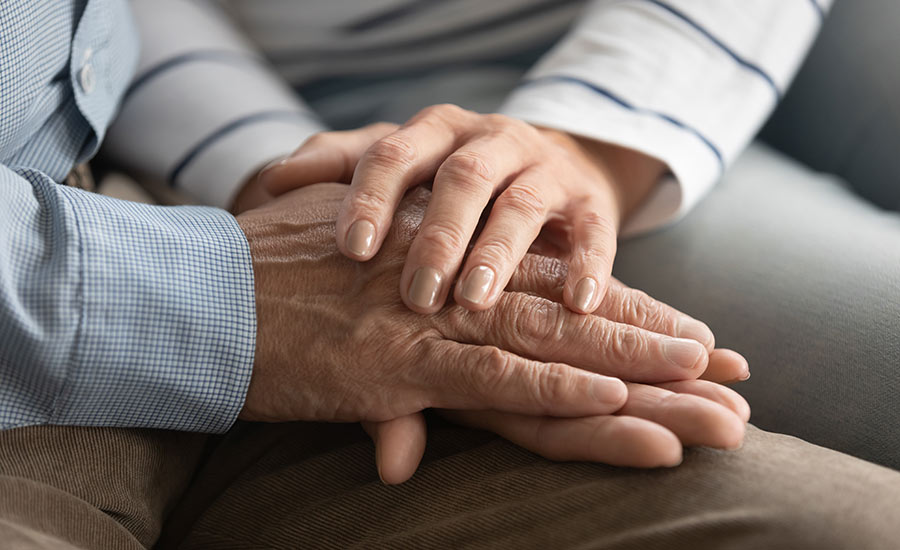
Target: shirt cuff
<point x="167" y="332"/>
<point x="579" y="108"/>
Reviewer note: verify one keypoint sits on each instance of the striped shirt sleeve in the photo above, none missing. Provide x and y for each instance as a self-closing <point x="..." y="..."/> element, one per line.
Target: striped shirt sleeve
<point x="689" y="82"/>
<point x="204" y="111"/>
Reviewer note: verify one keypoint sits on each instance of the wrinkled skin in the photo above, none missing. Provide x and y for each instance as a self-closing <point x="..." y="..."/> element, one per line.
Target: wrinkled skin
<point x="336" y="343"/>
<point x="533" y="174"/>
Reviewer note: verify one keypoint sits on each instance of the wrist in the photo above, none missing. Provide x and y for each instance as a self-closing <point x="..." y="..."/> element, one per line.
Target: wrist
<point x="630" y="173"/>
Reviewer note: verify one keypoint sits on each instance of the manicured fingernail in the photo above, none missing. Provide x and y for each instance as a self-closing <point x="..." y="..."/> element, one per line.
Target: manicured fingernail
<point x="683" y="353"/>
<point x="425" y="287"/>
<point x="584" y="293"/>
<point x="694" y="330"/>
<point x="478" y="284"/>
<point x="361" y="237"/>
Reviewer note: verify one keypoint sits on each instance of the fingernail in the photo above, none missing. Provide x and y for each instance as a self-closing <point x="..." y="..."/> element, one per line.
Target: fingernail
<point x="694" y="330"/>
<point x="478" y="284"/>
<point x="425" y="286"/>
<point x="584" y="293"/>
<point x="360" y="237"/>
<point x="606" y="391"/>
<point x="683" y="353"/>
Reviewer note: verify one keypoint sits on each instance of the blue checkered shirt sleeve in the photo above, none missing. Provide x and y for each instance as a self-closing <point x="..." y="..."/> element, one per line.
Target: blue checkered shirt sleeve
<point x="120" y="314"/>
<point x="112" y="313"/>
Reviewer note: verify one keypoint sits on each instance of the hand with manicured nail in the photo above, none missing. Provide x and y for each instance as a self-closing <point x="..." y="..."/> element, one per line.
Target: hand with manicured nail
<point x="334" y="341"/>
<point x="651" y="429"/>
<point x="532" y="175"/>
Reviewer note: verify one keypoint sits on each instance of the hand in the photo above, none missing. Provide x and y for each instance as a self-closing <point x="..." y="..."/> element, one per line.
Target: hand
<point x="335" y="343"/>
<point x="535" y="174"/>
<point x="649" y="431"/>
<point x="252" y="194"/>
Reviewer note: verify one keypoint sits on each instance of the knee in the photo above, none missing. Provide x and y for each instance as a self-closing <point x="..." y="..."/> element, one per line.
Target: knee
<point x="827" y="525"/>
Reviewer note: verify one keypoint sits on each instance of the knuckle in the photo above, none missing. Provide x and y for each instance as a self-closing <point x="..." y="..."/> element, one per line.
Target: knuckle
<point x="496" y="252"/>
<point x="596" y="255"/>
<point x="542" y="275"/>
<point x="672" y="402"/>
<point x="526" y="201"/>
<point x="469" y="171"/>
<point x="321" y="139"/>
<point x="493" y="368"/>
<point x="392" y="151"/>
<point x="443" y="235"/>
<point x="625" y="345"/>
<point x="370" y="198"/>
<point x="552" y="384"/>
<point x="642" y="310"/>
<point x="446" y="111"/>
<point x="455" y="317"/>
<point x="518" y="131"/>
<point x="500" y="122"/>
<point x="598" y="225"/>
<point x="542" y="321"/>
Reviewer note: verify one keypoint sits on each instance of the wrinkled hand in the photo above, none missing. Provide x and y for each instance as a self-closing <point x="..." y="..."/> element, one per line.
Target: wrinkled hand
<point x="651" y="430"/>
<point x="534" y="174"/>
<point x="335" y="343"/>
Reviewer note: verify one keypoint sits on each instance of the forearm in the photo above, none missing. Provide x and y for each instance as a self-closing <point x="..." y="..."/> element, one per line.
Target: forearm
<point x="205" y="110"/>
<point x="688" y="83"/>
<point x="119" y="314"/>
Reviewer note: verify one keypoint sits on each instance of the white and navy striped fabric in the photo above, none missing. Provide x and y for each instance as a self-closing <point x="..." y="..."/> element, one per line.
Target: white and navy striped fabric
<point x="111" y="313"/>
<point x="686" y="81"/>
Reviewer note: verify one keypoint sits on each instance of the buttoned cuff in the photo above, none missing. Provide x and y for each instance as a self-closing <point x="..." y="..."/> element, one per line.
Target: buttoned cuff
<point x="167" y="332"/>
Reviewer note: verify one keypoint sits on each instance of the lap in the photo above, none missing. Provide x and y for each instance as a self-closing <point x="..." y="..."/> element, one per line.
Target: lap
<point x="316" y="485"/>
<point x="68" y="487"/>
<point x="797" y="273"/>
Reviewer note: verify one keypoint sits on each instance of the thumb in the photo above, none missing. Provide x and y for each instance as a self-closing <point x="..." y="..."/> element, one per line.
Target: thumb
<point x="323" y="158"/>
<point x="399" y="446"/>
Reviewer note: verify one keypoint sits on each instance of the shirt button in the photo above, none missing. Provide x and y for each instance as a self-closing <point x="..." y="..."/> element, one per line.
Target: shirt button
<point x="86" y="77"/>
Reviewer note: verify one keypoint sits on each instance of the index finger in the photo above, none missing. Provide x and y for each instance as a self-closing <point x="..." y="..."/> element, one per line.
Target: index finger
<point x="386" y="170"/>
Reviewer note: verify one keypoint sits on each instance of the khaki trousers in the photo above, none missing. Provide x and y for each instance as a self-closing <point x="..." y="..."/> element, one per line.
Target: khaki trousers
<point x="308" y="485"/>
